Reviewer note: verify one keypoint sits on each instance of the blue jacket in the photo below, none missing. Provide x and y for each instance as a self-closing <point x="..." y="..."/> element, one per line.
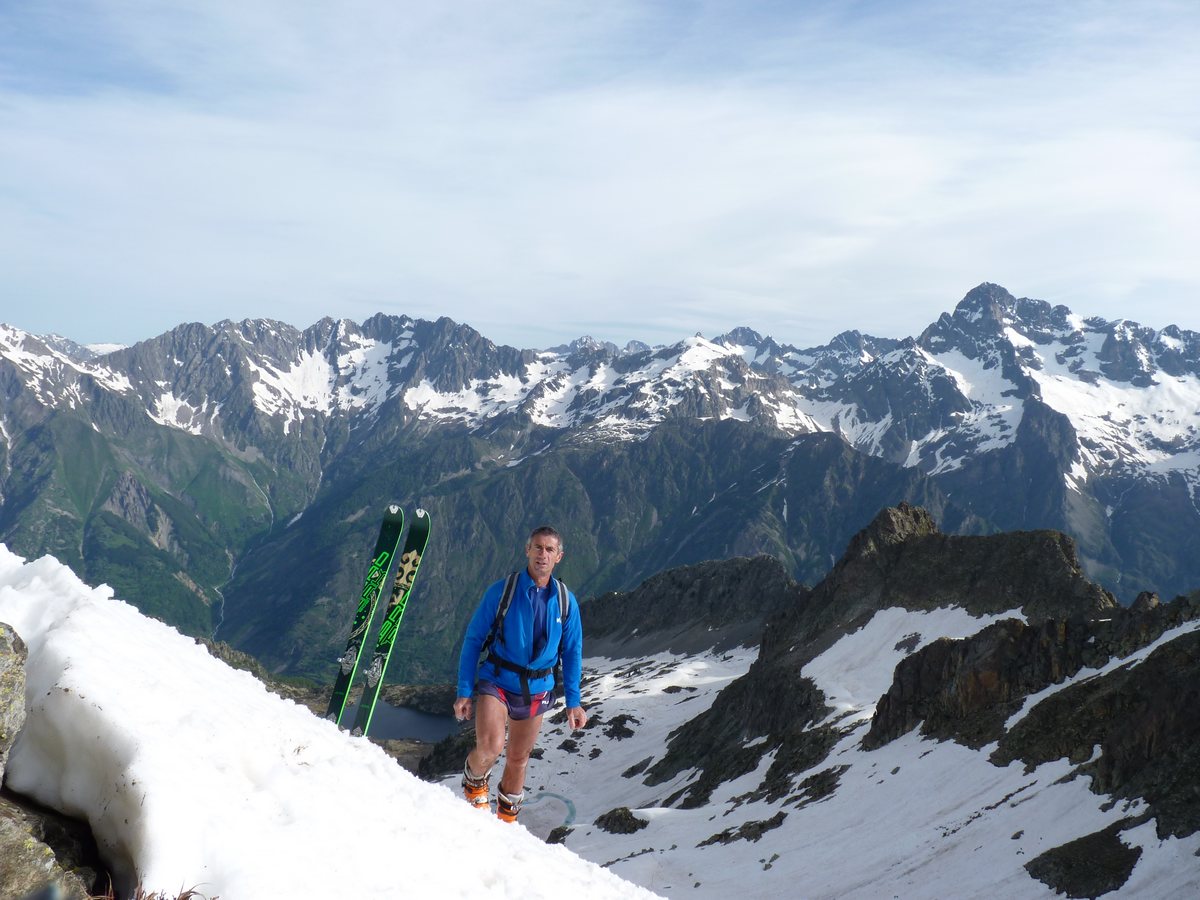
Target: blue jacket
<point x="514" y="642"/>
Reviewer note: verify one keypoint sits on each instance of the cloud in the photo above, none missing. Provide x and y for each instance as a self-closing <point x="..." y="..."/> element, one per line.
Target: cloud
<point x="537" y="172"/>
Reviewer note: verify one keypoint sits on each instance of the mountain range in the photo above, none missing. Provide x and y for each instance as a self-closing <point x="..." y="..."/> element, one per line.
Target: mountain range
<point x="229" y="478"/>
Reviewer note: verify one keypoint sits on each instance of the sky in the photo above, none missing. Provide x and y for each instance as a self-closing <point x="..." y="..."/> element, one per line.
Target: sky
<point x="192" y="775"/>
<point x="629" y="170"/>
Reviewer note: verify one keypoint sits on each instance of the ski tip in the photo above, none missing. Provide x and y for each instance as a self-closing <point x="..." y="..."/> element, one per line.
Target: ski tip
<point x="394" y="509"/>
<point x="421" y="513"/>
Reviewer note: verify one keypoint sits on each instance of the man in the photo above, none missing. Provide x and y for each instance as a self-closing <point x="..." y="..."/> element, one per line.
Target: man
<point x="513" y="686"/>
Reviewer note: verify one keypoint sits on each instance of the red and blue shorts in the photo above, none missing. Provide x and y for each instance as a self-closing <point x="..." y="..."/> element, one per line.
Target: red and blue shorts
<point x="539" y="703"/>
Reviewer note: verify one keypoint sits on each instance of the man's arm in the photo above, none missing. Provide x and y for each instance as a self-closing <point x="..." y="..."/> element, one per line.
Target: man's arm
<point x="573" y="666"/>
<point x="477" y="632"/>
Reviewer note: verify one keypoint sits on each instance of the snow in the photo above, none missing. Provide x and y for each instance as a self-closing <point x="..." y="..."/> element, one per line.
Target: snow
<point x="307" y="384"/>
<point x="1153" y="428"/>
<point x="192" y="774"/>
<point x="557" y="397"/>
<point x="994" y="415"/>
<point x="49" y="369"/>
<point x="104" y="349"/>
<point x="171" y="411"/>
<point x="368" y="366"/>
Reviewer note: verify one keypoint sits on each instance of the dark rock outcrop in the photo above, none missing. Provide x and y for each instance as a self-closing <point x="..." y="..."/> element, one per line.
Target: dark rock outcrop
<point x="710" y="605"/>
<point x="435" y="699"/>
<point x="620" y="821"/>
<point x="1142" y="717"/>
<point x="901" y="559"/>
<point x="966" y="689"/>
<point x="1089" y="866"/>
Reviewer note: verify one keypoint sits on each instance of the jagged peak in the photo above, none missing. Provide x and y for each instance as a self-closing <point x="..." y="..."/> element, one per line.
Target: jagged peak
<point x="586" y="344"/>
<point x="742" y="335"/>
<point x="854" y="342"/>
<point x="892" y="525"/>
<point x="985" y="301"/>
<point x="902" y="559"/>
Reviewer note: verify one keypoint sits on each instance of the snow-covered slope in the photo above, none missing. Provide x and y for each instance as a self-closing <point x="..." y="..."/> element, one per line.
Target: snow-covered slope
<point x="193" y="776"/>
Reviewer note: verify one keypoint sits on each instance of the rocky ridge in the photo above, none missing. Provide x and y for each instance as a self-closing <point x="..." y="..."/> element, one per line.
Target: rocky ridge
<point x="899" y="560"/>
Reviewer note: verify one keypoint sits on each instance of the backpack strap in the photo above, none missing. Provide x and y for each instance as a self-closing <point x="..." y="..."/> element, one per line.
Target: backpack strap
<point x="510" y="586"/>
<point x="486" y="654"/>
<point x="564" y="610"/>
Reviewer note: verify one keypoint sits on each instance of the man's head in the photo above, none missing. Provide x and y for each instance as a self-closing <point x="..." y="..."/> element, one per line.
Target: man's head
<point x="544" y="550"/>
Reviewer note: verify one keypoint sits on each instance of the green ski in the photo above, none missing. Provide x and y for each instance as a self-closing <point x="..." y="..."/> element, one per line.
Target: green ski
<point x="381" y="562"/>
<point x="406" y="574"/>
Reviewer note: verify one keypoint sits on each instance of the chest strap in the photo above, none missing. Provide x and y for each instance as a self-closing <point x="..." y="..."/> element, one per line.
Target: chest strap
<point x="524" y="673"/>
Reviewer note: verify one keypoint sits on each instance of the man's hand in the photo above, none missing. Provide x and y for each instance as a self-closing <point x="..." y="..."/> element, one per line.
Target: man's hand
<point x="576" y="717"/>
<point x="463" y="708"/>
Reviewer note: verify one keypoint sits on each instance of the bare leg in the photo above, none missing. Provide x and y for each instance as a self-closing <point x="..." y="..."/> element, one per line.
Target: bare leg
<point x="521" y="737"/>
<point x="491" y="716"/>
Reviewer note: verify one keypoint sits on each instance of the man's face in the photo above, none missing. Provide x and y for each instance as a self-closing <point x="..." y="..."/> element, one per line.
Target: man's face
<point x="544" y="554"/>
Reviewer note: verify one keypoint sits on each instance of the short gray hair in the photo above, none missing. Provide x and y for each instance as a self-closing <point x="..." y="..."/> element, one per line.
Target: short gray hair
<point x="546" y="531"/>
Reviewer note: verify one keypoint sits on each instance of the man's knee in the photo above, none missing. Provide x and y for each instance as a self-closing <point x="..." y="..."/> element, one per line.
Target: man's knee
<point x="488" y="751"/>
<point x="518" y="756"/>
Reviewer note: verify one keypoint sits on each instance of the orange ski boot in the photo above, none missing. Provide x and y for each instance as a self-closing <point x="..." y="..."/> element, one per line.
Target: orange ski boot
<point x="507" y="806"/>
<point x="476" y="788"/>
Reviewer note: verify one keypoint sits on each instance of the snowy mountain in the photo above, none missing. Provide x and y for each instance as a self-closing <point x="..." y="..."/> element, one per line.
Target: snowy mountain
<point x="196" y="470"/>
<point x="1130" y="392"/>
<point x="943" y="715"/>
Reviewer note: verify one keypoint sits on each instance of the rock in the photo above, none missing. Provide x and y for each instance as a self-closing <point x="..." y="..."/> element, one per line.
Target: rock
<point x="901" y="559"/>
<point x="1145" y="601"/>
<point x="620" y="821"/>
<point x="435" y="699"/>
<point x="711" y="605"/>
<point x="751" y="831"/>
<point x="38" y="848"/>
<point x="12" y="690"/>
<point x="966" y="689"/>
<point x="1143" y="720"/>
<point x="407" y="753"/>
<point x="1089" y="866"/>
<point x="448" y="755"/>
